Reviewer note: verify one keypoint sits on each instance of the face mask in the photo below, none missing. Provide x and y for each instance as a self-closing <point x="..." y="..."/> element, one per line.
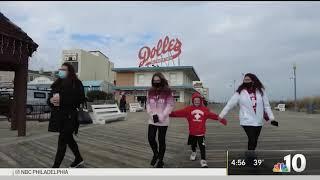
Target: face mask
<point x="248" y="85"/>
<point x="62" y="74"/>
<point x="157" y="84"/>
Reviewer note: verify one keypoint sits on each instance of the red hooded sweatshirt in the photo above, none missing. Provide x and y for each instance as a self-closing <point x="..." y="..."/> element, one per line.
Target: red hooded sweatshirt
<point x="197" y="116"/>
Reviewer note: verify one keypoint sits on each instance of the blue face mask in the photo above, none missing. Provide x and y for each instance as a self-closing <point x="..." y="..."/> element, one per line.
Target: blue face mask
<point x="62" y="74"/>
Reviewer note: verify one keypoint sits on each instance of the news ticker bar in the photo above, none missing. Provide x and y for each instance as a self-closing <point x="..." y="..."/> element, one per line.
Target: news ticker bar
<point x="285" y="162"/>
<point x="113" y="172"/>
<point x="238" y="162"/>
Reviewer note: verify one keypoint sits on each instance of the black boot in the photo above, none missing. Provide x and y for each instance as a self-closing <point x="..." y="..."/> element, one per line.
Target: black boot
<point x="250" y="156"/>
<point x="77" y="162"/>
<point x="160" y="164"/>
<point x="55" y="166"/>
<point x="57" y="162"/>
<point x="154" y="160"/>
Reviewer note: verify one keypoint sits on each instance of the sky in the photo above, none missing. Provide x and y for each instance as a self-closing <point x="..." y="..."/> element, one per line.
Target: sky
<point x="222" y="40"/>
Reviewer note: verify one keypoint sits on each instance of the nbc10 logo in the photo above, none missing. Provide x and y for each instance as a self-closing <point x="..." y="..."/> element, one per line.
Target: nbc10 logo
<point x="291" y="164"/>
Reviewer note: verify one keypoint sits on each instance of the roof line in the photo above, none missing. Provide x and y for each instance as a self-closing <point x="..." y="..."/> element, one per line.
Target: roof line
<point x="25" y="37"/>
<point x="99" y="52"/>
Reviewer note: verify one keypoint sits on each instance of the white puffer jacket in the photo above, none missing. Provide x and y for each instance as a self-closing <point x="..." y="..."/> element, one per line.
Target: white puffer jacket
<point x="247" y="115"/>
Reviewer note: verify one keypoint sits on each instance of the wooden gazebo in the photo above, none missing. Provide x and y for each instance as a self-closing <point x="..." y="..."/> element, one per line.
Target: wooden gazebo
<point x="15" y="49"/>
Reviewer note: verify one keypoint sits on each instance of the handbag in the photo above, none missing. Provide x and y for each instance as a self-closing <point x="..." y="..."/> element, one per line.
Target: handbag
<point x="84" y="116"/>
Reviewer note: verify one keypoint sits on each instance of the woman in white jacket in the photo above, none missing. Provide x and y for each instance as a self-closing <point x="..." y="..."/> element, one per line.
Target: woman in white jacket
<point x="254" y="107"/>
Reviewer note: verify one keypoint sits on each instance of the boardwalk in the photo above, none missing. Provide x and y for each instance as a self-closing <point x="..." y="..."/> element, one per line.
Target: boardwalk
<point x="123" y="144"/>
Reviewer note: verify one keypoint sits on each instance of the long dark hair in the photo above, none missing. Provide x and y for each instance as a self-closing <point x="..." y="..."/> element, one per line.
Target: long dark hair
<point x="257" y="85"/>
<point x="164" y="85"/>
<point x="72" y="76"/>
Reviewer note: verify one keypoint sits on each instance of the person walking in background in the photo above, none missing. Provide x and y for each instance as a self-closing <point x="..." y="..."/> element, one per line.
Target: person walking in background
<point x="160" y="103"/>
<point x="66" y="96"/>
<point x="254" y="107"/>
<point x="205" y="102"/>
<point x="123" y="104"/>
<point x="197" y="115"/>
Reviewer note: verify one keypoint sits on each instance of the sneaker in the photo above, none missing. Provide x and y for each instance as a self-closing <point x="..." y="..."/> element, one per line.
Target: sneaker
<point x="77" y="163"/>
<point x="193" y="156"/>
<point x="160" y="164"/>
<point x="154" y="160"/>
<point x="203" y="163"/>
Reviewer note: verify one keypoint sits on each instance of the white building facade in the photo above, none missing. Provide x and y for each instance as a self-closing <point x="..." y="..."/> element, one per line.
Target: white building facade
<point x="90" y="65"/>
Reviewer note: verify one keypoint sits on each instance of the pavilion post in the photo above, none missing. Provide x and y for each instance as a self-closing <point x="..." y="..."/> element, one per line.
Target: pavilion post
<point x="20" y="88"/>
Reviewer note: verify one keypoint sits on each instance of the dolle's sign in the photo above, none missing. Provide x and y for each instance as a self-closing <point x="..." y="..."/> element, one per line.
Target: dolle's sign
<point x="171" y="49"/>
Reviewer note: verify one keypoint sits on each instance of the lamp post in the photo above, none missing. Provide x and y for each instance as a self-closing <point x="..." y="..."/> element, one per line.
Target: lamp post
<point x="295" y="86"/>
<point x="233" y="85"/>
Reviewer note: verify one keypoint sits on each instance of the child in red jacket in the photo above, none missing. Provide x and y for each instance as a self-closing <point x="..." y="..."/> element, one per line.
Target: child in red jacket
<point x="197" y="114"/>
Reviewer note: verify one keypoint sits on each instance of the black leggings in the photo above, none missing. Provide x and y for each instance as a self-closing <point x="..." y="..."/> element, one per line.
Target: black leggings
<point x="202" y="146"/>
<point x="253" y="133"/>
<point x="64" y="140"/>
<point x="123" y="109"/>
<point x="152" y="131"/>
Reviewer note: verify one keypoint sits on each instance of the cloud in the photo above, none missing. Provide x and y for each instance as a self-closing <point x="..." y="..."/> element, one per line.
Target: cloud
<point x="221" y="40"/>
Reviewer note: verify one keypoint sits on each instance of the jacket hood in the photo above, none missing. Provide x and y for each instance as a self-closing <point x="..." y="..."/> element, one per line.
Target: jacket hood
<point x="197" y="95"/>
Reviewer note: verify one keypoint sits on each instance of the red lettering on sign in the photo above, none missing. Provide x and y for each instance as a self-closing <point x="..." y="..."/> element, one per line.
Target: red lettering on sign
<point x="147" y="55"/>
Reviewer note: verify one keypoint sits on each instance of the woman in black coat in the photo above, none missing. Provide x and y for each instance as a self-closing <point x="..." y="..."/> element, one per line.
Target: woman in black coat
<point x="67" y="95"/>
<point x="123" y="104"/>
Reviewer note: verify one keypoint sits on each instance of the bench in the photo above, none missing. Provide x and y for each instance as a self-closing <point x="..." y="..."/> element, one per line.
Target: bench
<point x="135" y="107"/>
<point x="280" y="107"/>
<point x="104" y="113"/>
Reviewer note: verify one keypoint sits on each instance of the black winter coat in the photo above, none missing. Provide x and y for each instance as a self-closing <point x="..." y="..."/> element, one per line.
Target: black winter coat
<point x="64" y="119"/>
<point x="122" y="103"/>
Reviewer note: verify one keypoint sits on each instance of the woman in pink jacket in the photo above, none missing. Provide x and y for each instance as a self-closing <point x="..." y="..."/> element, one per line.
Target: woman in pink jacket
<point x="160" y="103"/>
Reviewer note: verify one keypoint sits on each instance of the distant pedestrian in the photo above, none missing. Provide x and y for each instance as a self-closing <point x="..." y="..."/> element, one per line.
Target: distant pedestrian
<point x="123" y="104"/>
<point x="205" y="102"/>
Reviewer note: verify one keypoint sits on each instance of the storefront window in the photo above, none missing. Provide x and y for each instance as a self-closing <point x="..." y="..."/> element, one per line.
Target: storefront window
<point x="140" y="78"/>
<point x="173" y="78"/>
<point x="177" y="98"/>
